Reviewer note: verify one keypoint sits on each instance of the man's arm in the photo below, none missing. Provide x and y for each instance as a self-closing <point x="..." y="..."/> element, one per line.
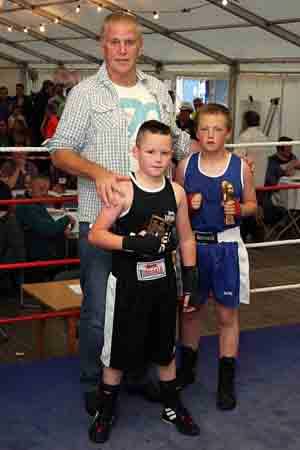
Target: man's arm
<point x="70" y="138"/>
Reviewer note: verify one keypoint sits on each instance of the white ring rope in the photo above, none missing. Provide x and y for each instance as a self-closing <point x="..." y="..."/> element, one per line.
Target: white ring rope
<point x="242" y="145"/>
<point x="274" y="288"/>
<point x="273" y="243"/>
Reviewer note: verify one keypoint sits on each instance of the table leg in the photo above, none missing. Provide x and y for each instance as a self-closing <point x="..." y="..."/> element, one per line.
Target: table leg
<point x="71" y="335"/>
<point x="40" y="337"/>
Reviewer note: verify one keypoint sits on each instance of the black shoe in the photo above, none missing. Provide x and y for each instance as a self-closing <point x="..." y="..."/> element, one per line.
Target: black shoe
<point x="186" y="374"/>
<point x="181" y="418"/>
<point x="100" y="428"/>
<point x="226" y="398"/>
<point x="91" y="401"/>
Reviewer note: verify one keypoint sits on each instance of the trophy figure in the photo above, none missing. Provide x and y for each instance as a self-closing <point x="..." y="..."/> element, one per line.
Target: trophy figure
<point x="228" y="195"/>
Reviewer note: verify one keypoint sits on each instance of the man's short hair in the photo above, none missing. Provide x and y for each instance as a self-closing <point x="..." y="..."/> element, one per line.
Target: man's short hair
<point x="251" y="119"/>
<point x="20" y="85"/>
<point x="120" y="16"/>
<point x="214" y="109"/>
<point x="283" y="139"/>
<point x="154" y="127"/>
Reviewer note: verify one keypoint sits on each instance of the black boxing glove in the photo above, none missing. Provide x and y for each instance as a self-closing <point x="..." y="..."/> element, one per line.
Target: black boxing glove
<point x="190" y="284"/>
<point x="142" y="245"/>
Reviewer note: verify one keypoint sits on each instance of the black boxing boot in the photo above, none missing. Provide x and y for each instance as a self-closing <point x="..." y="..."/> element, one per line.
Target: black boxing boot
<point x="226" y="397"/>
<point x="100" y="428"/>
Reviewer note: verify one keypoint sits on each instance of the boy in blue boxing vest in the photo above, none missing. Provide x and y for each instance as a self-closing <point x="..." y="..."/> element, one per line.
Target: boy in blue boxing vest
<point x="220" y="191"/>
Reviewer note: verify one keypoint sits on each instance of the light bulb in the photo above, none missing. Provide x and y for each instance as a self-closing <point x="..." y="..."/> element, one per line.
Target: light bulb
<point x="56" y="20"/>
<point x="99" y="8"/>
<point x="9" y="28"/>
<point x="25" y="29"/>
<point x="77" y="9"/>
<point x="155" y="15"/>
<point x="224" y="2"/>
<point x="42" y="28"/>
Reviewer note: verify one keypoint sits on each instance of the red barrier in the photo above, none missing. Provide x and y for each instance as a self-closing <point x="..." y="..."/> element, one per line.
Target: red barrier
<point x="277" y="187"/>
<point x="40" y="316"/>
<point x="48" y="263"/>
<point x="28" y="201"/>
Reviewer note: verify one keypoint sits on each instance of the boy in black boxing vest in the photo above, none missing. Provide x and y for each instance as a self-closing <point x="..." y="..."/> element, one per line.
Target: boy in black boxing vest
<point x="141" y="299"/>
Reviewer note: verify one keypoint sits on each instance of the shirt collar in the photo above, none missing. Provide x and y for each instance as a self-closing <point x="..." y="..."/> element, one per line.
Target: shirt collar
<point x="103" y="77"/>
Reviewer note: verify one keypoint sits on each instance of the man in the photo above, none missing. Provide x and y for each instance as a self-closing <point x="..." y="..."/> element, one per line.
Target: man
<point x="23" y="101"/>
<point x="282" y="163"/>
<point x="184" y="121"/>
<point x="93" y="140"/>
<point x="256" y="156"/>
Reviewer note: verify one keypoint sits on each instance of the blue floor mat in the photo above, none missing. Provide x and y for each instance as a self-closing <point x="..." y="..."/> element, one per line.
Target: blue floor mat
<point x="41" y="406"/>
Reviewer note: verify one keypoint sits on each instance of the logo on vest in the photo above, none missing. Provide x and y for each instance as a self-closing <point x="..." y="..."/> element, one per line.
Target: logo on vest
<point x="152" y="270"/>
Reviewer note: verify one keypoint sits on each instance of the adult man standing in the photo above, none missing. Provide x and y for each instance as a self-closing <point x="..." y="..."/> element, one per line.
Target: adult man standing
<point x="93" y="140"/>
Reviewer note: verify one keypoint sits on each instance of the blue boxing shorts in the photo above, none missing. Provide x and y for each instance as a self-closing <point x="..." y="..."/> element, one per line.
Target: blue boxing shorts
<point x="223" y="268"/>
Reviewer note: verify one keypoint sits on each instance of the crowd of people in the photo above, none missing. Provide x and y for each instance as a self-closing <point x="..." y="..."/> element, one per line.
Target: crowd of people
<point x="118" y="136"/>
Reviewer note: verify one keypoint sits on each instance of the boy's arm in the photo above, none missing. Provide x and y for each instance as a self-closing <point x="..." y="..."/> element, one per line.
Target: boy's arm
<point x="100" y="234"/>
<point x="187" y="246"/>
<point x="185" y="235"/>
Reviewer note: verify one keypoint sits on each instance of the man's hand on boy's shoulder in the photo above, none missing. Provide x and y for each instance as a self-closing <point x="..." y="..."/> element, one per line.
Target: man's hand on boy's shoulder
<point x="109" y="183"/>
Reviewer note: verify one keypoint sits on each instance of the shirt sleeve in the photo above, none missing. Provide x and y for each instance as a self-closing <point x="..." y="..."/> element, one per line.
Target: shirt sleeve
<point x="74" y="123"/>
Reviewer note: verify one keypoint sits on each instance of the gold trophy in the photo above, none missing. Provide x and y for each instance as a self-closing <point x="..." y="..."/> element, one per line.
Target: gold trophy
<point x="228" y="195"/>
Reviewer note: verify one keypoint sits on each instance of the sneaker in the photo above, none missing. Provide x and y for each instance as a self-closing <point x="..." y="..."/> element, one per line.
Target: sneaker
<point x="100" y="428"/>
<point x="181" y="418"/>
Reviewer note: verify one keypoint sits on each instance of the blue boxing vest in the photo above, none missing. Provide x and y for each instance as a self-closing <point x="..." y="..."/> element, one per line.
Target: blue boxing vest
<point x="210" y="217"/>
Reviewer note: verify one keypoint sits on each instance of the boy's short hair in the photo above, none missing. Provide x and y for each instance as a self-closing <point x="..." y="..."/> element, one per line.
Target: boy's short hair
<point x="214" y="109"/>
<point x="154" y="127"/>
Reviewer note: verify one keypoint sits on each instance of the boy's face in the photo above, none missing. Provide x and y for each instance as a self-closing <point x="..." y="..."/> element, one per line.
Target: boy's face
<point x="154" y="154"/>
<point x="212" y="132"/>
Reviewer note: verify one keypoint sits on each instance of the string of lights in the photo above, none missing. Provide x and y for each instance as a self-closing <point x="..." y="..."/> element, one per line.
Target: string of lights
<point x="155" y="14"/>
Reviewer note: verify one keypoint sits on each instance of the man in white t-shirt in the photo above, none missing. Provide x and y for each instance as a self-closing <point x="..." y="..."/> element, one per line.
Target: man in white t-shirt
<point x="257" y="156"/>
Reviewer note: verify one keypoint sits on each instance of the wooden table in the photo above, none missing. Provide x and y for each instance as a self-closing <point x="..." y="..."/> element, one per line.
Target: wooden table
<point x="56" y="296"/>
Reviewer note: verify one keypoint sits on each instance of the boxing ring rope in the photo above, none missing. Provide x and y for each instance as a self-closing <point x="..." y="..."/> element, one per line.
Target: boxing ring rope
<point x="75" y="312"/>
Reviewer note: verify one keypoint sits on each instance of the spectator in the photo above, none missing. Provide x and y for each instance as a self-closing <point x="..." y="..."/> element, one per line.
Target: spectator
<point x="184" y="121"/>
<point x="282" y="163"/>
<point x="23" y="101"/>
<point x="5" y="140"/>
<point x="59" y="98"/>
<point x="4" y="104"/>
<point x="44" y="236"/>
<point x="256" y="156"/>
<point x="50" y="121"/>
<point x="17" y="114"/>
<point x="16" y="170"/>
<point x="12" y="248"/>
<point x="40" y="105"/>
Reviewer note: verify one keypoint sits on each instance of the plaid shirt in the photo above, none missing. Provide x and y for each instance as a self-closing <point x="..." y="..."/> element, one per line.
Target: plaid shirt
<point x="94" y="125"/>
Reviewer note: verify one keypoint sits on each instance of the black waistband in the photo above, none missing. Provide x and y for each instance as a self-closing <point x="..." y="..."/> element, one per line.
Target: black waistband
<point x="206" y="237"/>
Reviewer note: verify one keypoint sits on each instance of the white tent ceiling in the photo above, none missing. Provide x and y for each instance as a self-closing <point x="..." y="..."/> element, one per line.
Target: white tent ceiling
<point x="187" y="33"/>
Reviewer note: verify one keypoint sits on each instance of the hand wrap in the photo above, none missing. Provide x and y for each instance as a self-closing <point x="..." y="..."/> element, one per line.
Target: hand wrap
<point x="190" y="284"/>
<point x="142" y="245"/>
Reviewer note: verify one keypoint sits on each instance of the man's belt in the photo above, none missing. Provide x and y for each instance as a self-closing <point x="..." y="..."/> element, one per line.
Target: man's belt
<point x="206" y="237"/>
